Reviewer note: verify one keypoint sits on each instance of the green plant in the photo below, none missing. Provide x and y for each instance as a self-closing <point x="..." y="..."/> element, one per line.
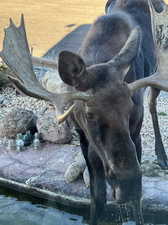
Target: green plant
<point x="162" y="114"/>
<point x="2" y="67"/>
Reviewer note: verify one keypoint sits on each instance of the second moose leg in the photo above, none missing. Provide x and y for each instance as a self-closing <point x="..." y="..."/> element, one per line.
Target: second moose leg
<point x="97" y="180"/>
<point x="97" y="187"/>
<point x="159" y="147"/>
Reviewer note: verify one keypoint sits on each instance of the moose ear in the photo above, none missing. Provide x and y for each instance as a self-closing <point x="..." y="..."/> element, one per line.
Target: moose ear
<point x="70" y="66"/>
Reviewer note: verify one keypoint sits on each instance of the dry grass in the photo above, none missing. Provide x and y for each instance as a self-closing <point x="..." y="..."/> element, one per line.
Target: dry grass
<point x="47" y="21"/>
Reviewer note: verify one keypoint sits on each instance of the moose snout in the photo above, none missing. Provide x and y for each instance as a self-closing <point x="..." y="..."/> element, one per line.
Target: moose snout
<point x="123" y="173"/>
<point x="123" y="165"/>
<point x="125" y="179"/>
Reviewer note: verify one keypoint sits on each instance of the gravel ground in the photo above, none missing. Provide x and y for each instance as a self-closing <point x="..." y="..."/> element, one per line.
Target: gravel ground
<point x="11" y="99"/>
<point x="149" y="164"/>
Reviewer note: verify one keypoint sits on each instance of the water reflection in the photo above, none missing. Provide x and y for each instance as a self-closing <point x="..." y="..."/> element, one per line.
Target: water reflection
<point x="22" y="210"/>
<point x="15" y="212"/>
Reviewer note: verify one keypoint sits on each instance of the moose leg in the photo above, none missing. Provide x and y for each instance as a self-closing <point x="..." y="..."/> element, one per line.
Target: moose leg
<point x="97" y="187"/>
<point x="137" y="142"/>
<point x="97" y="179"/>
<point x="159" y="148"/>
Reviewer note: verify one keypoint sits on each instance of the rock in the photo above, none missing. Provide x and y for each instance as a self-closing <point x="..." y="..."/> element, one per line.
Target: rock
<point x="80" y="160"/>
<point x="17" y="121"/>
<point x="73" y="172"/>
<point x="86" y="177"/>
<point x="53" y="83"/>
<point x="76" y="168"/>
<point x="51" y="131"/>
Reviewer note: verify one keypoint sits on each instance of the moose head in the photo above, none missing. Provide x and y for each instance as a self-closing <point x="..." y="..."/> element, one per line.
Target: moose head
<point x="106" y="113"/>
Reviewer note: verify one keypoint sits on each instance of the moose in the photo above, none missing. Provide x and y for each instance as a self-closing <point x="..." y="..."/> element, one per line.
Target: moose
<point x="158" y="5"/>
<point x="118" y="59"/>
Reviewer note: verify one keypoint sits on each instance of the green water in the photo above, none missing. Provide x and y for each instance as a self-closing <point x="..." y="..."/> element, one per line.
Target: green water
<point x="19" y="209"/>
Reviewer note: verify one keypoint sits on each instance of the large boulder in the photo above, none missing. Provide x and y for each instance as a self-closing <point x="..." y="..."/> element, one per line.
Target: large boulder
<point x="53" y="83"/>
<point x="17" y="121"/>
<point x="50" y="130"/>
<point x="47" y="125"/>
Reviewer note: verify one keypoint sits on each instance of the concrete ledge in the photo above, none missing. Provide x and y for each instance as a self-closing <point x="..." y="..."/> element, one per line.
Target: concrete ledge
<point x="47" y="167"/>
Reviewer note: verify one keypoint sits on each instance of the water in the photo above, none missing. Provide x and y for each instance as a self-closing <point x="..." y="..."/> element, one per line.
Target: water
<point x="19" y="209"/>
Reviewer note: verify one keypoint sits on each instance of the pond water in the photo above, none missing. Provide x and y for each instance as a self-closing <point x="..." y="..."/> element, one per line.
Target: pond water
<point x="19" y="209"/>
<point x="22" y="210"/>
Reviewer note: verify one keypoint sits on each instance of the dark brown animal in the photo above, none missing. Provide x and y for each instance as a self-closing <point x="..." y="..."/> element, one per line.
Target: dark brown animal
<point x="159" y="6"/>
<point x="116" y="62"/>
<point x="119" y="49"/>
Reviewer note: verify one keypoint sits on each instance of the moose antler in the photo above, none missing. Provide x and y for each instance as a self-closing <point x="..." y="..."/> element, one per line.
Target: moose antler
<point x="37" y="61"/>
<point x="159" y="79"/>
<point x="17" y="56"/>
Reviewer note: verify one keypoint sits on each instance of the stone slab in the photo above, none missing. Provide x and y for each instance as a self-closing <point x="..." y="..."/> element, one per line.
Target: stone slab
<point x="43" y="171"/>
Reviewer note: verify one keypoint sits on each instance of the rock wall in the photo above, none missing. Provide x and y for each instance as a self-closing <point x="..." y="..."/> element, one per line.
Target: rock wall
<point x="161" y="21"/>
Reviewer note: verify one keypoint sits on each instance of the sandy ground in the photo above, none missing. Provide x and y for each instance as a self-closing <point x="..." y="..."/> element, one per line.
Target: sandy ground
<point x="48" y="21"/>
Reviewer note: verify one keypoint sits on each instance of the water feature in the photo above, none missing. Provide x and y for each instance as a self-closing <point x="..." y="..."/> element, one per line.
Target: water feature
<point x="19" y="209"/>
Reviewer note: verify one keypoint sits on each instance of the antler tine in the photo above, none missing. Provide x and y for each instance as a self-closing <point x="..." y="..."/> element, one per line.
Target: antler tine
<point x="11" y="22"/>
<point x="17" y="56"/>
<point x="158" y="80"/>
<point x="37" y="61"/>
<point x="23" y="31"/>
<point x="22" y="23"/>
